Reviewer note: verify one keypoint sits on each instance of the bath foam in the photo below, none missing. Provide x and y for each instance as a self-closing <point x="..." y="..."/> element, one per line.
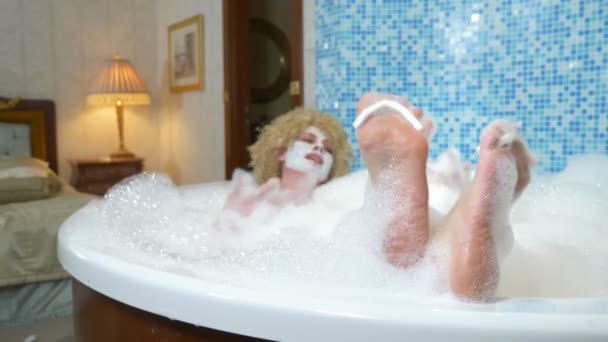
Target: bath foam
<point x="558" y="226"/>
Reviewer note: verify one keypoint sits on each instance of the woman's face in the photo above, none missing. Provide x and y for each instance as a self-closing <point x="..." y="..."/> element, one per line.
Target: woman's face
<point x="311" y="153"/>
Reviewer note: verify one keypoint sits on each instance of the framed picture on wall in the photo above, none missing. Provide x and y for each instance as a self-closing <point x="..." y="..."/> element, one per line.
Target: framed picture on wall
<point x="186" y="62"/>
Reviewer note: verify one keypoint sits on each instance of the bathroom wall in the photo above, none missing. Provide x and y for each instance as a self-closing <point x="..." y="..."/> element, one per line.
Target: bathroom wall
<point x="192" y="123"/>
<point x="466" y="63"/>
<point x="310" y="79"/>
<point x="52" y="49"/>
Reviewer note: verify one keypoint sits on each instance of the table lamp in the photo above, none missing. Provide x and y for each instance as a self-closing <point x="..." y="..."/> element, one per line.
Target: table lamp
<point x="118" y="84"/>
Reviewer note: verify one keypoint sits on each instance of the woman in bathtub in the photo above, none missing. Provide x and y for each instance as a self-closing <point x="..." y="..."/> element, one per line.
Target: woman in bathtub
<point x="291" y="159"/>
<point x="294" y="154"/>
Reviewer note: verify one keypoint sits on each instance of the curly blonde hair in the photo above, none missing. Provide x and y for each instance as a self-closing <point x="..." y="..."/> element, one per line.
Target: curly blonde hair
<point x="285" y="129"/>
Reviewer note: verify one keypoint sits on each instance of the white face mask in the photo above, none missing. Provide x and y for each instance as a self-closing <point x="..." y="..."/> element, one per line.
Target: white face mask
<point x="310" y="155"/>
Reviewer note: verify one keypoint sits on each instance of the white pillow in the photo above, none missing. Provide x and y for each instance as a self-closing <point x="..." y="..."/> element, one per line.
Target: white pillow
<point x="22" y="167"/>
<point x="22" y="172"/>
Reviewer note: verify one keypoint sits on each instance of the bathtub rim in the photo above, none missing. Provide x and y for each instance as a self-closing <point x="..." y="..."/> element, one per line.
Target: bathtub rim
<point x="254" y="313"/>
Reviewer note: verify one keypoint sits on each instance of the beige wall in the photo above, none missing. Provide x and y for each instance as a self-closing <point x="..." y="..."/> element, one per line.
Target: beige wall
<point x="51" y="49"/>
<point x="192" y="123"/>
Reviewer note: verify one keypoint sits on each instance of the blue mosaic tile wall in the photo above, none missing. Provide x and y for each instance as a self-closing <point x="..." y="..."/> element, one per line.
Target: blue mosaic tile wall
<point x="466" y="63"/>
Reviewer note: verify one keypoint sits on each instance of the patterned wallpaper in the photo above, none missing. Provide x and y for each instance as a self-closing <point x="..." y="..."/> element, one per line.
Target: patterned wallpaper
<point x="51" y="49"/>
<point x="541" y="62"/>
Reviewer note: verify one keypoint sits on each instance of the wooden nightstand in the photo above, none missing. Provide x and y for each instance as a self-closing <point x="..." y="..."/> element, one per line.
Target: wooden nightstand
<point x="96" y="176"/>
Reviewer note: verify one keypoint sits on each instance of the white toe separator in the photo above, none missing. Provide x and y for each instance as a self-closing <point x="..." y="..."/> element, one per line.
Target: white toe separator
<point x="372" y="110"/>
<point x="507" y="139"/>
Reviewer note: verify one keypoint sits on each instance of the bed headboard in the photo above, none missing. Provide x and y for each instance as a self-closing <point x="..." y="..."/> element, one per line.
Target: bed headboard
<point x="28" y="128"/>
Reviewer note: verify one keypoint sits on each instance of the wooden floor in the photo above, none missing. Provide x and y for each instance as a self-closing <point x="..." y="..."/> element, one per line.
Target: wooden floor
<point x="98" y="318"/>
<point x="50" y="330"/>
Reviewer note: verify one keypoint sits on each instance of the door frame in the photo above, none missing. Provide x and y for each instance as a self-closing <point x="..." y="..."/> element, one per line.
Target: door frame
<point x="236" y="76"/>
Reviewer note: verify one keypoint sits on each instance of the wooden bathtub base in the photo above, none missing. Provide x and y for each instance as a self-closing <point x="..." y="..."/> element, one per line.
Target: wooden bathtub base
<point x="100" y="318"/>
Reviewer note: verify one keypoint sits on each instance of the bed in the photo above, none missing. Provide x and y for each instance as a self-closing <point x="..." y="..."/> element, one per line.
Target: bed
<point x="34" y="202"/>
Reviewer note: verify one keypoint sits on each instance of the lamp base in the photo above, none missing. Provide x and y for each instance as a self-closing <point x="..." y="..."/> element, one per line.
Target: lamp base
<point x="121" y="153"/>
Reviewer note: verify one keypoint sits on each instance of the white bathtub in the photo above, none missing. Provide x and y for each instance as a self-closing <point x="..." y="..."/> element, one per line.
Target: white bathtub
<point x="292" y="315"/>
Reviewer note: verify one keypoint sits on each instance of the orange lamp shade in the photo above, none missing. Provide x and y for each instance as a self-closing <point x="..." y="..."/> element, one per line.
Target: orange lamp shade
<point x="118" y="81"/>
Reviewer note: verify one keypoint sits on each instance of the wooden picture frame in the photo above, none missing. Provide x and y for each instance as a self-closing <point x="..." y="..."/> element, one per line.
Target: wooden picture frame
<point x="186" y="54"/>
<point x="37" y="132"/>
<point x="39" y="115"/>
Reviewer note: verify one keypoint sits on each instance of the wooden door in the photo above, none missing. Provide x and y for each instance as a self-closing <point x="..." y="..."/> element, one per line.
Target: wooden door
<point x="296" y="37"/>
<point x="236" y="84"/>
<point x="236" y="76"/>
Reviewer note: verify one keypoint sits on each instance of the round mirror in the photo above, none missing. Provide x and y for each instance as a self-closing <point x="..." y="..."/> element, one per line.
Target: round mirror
<point x="269" y="61"/>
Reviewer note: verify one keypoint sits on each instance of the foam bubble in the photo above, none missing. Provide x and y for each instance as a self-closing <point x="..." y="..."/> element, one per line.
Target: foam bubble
<point x="335" y="241"/>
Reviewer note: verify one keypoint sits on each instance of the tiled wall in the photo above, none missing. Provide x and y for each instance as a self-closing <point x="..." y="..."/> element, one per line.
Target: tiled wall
<point x="466" y="63"/>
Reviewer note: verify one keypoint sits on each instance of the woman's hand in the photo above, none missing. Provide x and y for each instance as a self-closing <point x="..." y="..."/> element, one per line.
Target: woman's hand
<point x="245" y="194"/>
